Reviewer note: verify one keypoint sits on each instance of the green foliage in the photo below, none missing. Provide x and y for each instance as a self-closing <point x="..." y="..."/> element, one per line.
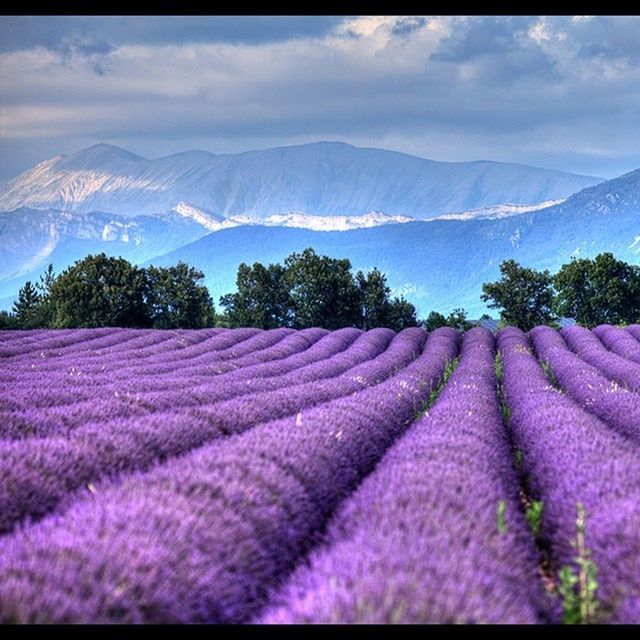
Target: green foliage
<point x="262" y="299"/>
<point x="598" y="291"/>
<point x="456" y="319"/>
<point x="377" y="309"/>
<point x="322" y="291"/>
<point x="434" y="320"/>
<point x="313" y="290"/>
<point x="524" y="296"/>
<point x="504" y="407"/>
<point x="548" y="371"/>
<point x="534" y="515"/>
<point x="578" y="588"/>
<point x="27" y="307"/>
<point x="374" y="298"/>
<point x="400" y="315"/>
<point x="176" y="300"/>
<point x="8" y="321"/>
<point x="101" y="291"/>
<point x="449" y="368"/>
<point x="502" y="516"/>
<point x="518" y="459"/>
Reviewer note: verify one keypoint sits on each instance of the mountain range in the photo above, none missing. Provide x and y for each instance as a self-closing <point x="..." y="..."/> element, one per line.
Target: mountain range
<point x="322" y="179"/>
<point x="438" y="230"/>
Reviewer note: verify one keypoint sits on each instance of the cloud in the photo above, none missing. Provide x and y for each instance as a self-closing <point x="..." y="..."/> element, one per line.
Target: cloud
<point x="546" y="90"/>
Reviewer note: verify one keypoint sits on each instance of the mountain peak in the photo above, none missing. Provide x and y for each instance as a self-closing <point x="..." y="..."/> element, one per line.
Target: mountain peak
<point x="101" y="153"/>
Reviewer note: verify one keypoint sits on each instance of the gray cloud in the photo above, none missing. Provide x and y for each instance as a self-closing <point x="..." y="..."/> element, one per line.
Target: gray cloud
<point x="25" y="32"/>
<point x="552" y="91"/>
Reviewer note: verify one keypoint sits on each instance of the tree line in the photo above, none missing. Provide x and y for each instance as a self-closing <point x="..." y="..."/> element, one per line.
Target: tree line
<point x="311" y="290"/>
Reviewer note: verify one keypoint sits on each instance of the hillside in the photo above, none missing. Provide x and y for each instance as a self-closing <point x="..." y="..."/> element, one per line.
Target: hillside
<point x="441" y="264"/>
<point x="324" y="178"/>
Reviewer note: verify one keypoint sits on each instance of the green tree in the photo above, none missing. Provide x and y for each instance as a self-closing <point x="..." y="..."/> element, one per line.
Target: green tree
<point x="100" y="291"/>
<point x="322" y="290"/>
<point x="374" y="300"/>
<point x="8" y="321"/>
<point x="27" y="307"/>
<point x="456" y="319"/>
<point x="262" y="299"/>
<point x="45" y="310"/>
<point x="177" y="300"/>
<point x="598" y="291"/>
<point x="524" y="296"/>
<point x="434" y="320"/>
<point x="401" y="314"/>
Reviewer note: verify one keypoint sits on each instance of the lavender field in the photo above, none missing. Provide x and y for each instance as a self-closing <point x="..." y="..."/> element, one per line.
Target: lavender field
<point x="314" y="476"/>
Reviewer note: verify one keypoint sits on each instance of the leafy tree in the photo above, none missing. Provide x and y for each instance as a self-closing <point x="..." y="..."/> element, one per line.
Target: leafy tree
<point x="45" y="310"/>
<point x="456" y="319"/>
<point x="598" y="291"/>
<point x="262" y="299"/>
<point x="524" y="296"/>
<point x="322" y="290"/>
<point x="400" y="315"/>
<point x="8" y="321"/>
<point x="435" y="320"/>
<point x="27" y="306"/>
<point x="100" y="291"/>
<point x="374" y="299"/>
<point x="176" y="299"/>
<point x="377" y="308"/>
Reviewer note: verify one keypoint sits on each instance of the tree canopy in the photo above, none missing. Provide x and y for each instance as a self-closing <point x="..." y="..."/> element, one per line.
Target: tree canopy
<point x="100" y="291"/>
<point x="598" y="291"/>
<point x="175" y="299"/>
<point x="523" y="295"/>
<point x="312" y="290"/>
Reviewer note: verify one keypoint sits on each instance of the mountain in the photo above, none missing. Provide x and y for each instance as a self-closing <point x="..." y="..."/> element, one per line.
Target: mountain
<point x="322" y="179"/>
<point x="31" y="239"/>
<point x="441" y="264"/>
<point x="496" y="211"/>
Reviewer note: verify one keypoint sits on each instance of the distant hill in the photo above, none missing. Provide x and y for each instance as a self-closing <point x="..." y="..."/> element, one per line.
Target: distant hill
<point x="441" y="264"/>
<point x="324" y="179"/>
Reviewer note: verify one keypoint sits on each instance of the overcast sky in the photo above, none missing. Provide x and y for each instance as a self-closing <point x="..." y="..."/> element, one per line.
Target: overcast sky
<point x="555" y="92"/>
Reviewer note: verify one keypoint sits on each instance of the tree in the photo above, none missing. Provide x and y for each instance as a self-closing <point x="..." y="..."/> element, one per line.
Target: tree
<point x="401" y="314"/>
<point x="598" y="291"/>
<point x="456" y="319"/>
<point x="322" y="290"/>
<point x="27" y="306"/>
<point x="262" y="299"/>
<point x="8" y="321"/>
<point x="100" y="291"/>
<point x="435" y="320"/>
<point x="374" y="303"/>
<point x="176" y="299"/>
<point x="45" y="310"/>
<point x="525" y="296"/>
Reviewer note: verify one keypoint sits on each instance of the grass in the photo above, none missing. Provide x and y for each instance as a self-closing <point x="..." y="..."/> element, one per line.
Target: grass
<point x="502" y="519"/>
<point x="578" y="588"/>
<point x="548" y="371"/>
<point x="534" y="516"/>
<point x="449" y="368"/>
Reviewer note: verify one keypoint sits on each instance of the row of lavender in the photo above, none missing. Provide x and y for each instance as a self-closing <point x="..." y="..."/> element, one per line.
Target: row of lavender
<point x="201" y="496"/>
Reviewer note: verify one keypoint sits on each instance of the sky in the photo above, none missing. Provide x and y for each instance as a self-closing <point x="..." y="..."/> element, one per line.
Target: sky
<point x="560" y="92"/>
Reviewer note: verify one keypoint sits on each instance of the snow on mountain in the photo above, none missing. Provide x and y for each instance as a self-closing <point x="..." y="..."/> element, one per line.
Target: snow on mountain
<point x="442" y="264"/>
<point x="322" y="179"/>
<point x="497" y="211"/>
<point x="299" y="220"/>
<point x="208" y="220"/>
